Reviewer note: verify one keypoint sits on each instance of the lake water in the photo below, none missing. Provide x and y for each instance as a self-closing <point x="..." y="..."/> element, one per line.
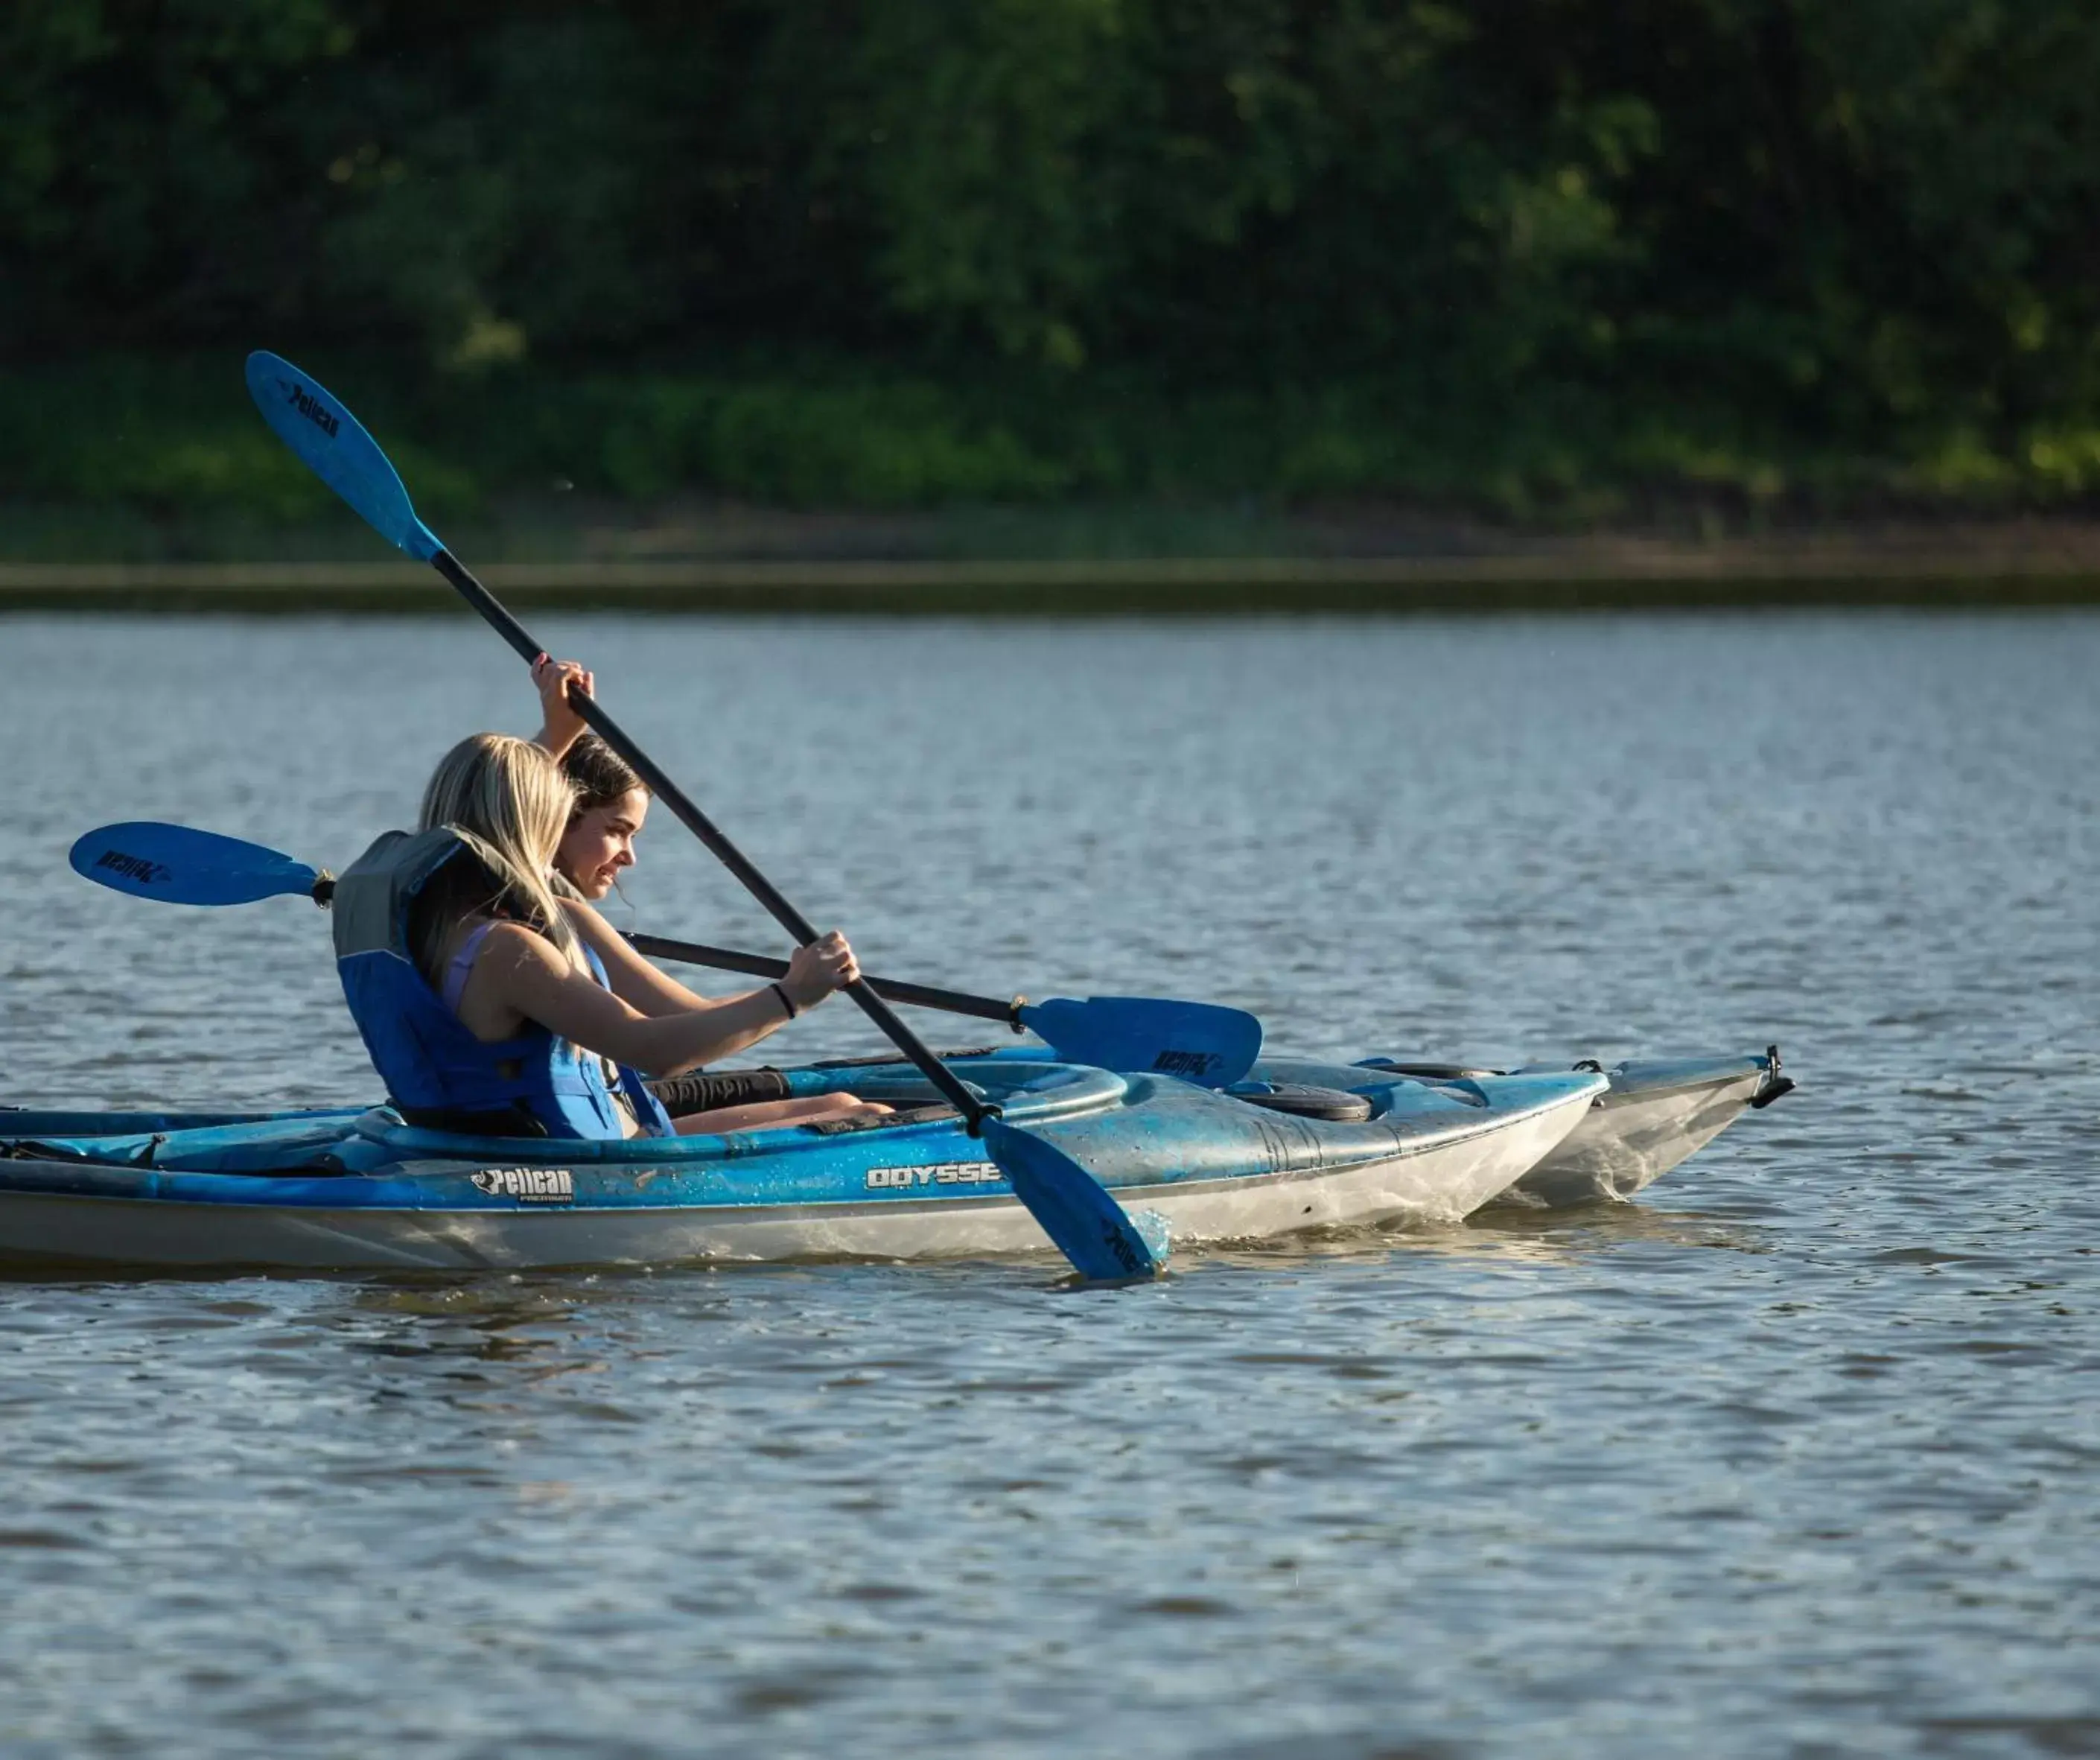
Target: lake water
<point x="1800" y="1454"/>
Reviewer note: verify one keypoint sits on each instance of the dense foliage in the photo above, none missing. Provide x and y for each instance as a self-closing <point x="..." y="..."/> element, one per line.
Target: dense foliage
<point x="1524" y="252"/>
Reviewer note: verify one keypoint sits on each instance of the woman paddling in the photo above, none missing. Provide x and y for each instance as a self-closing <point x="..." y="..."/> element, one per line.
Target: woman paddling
<point x="611" y="805"/>
<point x="491" y="1005"/>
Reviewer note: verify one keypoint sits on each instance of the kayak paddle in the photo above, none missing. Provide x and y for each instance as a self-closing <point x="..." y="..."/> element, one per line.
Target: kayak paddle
<point x="1072" y="1207"/>
<point x="1202" y="1043"/>
<point x="178" y="866"/>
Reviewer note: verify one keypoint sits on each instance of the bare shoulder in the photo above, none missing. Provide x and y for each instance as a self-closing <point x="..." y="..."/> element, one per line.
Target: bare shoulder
<point x="514" y="946"/>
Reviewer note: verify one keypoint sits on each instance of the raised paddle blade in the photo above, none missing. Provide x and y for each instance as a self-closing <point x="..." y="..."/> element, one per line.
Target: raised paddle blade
<point x="338" y="451"/>
<point x="1201" y="1042"/>
<point x="1105" y="1243"/>
<point x="178" y="866"/>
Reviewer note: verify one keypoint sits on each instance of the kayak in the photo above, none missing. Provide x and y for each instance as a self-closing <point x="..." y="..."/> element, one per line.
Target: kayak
<point x="358" y="1189"/>
<point x="1655" y="1114"/>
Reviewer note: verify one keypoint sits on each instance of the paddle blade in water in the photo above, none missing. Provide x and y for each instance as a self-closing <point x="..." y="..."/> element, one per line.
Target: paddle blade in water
<point x="1200" y="1042"/>
<point x="338" y="451"/>
<point x="178" y="866"/>
<point x="1104" y="1242"/>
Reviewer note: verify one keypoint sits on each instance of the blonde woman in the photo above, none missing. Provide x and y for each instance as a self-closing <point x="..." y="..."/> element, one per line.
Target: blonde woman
<point x="488" y="1002"/>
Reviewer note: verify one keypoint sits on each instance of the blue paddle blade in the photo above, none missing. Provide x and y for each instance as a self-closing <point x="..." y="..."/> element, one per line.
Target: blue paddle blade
<point x="1104" y="1242"/>
<point x="178" y="866"/>
<point x="338" y="451"/>
<point x="1200" y="1042"/>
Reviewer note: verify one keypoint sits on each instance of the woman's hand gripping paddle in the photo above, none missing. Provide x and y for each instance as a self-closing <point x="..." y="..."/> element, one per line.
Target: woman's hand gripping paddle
<point x="1073" y="1207"/>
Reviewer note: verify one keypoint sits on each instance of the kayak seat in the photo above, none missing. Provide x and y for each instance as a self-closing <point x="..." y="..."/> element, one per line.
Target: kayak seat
<point x="516" y="1119"/>
<point x="1299" y="1100"/>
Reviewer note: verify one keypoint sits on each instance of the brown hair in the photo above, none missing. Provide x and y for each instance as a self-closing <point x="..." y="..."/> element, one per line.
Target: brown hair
<point x="599" y="774"/>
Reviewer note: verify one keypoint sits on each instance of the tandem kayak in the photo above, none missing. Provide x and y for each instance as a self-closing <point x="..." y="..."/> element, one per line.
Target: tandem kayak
<point x="1655" y="1113"/>
<point x="359" y="1190"/>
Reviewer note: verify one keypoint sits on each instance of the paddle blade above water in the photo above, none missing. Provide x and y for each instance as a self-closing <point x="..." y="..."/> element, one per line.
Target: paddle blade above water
<point x="1201" y="1042"/>
<point x="178" y="866"/>
<point x="1105" y="1243"/>
<point x="335" y="447"/>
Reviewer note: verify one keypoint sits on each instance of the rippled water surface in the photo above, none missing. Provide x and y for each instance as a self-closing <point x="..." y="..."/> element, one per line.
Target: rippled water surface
<point x="1797" y="1455"/>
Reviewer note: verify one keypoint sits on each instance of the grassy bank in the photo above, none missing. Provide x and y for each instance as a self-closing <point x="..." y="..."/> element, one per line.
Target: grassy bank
<point x="1992" y="567"/>
<point x="161" y="458"/>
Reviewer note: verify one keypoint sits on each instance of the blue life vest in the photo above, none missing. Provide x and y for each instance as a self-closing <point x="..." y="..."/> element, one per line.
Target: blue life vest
<point x="431" y="1063"/>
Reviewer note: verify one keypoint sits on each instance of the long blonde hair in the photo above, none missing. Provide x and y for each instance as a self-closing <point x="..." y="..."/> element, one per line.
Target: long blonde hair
<point x="509" y="803"/>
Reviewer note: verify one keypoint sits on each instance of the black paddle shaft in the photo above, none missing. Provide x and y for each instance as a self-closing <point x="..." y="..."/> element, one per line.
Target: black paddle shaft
<point x="974" y="1111"/>
<point x="889" y="988"/>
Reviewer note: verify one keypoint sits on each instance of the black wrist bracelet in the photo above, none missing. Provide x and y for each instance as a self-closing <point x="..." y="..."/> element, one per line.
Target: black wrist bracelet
<point x="787" y="1002"/>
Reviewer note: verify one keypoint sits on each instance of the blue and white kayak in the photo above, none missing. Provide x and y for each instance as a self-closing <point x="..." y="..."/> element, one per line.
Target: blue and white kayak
<point x="1655" y="1113"/>
<point x="361" y="1190"/>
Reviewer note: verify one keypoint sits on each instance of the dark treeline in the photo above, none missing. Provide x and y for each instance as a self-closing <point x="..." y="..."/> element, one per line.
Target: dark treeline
<point x="1522" y="252"/>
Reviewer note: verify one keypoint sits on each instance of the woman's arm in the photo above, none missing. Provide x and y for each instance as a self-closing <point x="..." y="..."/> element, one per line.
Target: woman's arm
<point x="826" y="965"/>
<point x="634" y="979"/>
<point x="560" y="726"/>
<point x="521" y="976"/>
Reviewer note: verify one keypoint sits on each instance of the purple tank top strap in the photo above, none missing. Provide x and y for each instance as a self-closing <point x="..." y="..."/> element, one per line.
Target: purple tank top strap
<point x="461" y="966"/>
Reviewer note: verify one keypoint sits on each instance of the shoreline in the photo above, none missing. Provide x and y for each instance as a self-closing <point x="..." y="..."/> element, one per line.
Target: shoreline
<point x="2015" y="566"/>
